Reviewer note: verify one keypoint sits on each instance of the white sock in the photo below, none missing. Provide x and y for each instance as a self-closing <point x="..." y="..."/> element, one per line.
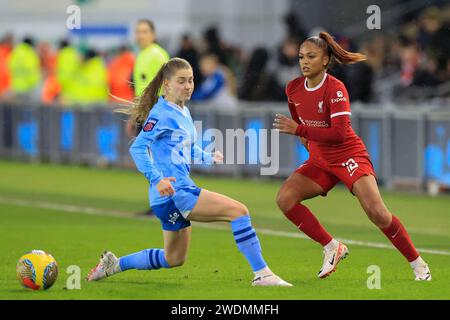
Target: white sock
<point x="331" y="245"/>
<point x="419" y="261"/>
<point x="263" y="272"/>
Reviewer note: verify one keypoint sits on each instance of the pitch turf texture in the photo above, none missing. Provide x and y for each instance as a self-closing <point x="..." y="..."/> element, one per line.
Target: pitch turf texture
<point x="76" y="213"/>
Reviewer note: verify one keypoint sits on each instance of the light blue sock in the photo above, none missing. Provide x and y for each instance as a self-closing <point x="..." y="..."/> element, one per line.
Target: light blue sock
<point x="248" y="242"/>
<point x="148" y="259"/>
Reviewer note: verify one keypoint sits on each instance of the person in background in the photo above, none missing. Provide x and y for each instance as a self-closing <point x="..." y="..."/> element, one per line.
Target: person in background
<point x="25" y="70"/>
<point x="259" y="84"/>
<point x="287" y="62"/>
<point x="410" y="56"/>
<point x="120" y="72"/>
<point x="215" y="46"/>
<point x="435" y="36"/>
<point x="360" y="78"/>
<point x="68" y="64"/>
<point x="50" y="87"/>
<point x="47" y="57"/>
<point x="92" y="81"/>
<point x="150" y="58"/>
<point x="215" y="87"/>
<point x="189" y="53"/>
<point x="230" y="57"/>
<point x="294" y="27"/>
<point x="6" y="46"/>
<point x="426" y="74"/>
<point x="357" y="77"/>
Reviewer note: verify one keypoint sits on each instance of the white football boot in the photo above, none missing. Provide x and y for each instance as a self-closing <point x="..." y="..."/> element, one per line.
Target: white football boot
<point x="421" y="270"/>
<point x="331" y="259"/>
<point x="270" y="280"/>
<point x="107" y="266"/>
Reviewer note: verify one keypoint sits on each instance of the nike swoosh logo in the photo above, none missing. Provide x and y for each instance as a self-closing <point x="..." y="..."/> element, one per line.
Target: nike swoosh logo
<point x="393" y="237"/>
<point x="260" y="278"/>
<point x="257" y="279"/>
<point x="332" y="260"/>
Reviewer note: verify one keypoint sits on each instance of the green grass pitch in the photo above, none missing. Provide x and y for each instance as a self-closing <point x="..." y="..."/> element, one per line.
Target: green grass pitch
<point x="50" y="208"/>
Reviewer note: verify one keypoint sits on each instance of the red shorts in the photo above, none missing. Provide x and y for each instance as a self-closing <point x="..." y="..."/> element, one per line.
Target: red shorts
<point x="327" y="176"/>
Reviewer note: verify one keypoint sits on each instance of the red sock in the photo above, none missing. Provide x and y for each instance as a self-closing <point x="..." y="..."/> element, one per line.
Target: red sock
<point x="308" y="223"/>
<point x="399" y="237"/>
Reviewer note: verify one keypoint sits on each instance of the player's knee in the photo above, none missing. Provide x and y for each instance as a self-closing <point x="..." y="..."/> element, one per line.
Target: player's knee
<point x="235" y="211"/>
<point x="285" y="201"/>
<point x="175" y="260"/>
<point x="379" y="215"/>
<point x="239" y="210"/>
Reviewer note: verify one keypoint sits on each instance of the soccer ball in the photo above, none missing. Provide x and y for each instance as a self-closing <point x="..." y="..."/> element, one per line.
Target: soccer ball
<point x="37" y="270"/>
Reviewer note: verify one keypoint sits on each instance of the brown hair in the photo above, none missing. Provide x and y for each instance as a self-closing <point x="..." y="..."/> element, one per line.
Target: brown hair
<point x="148" y="22"/>
<point x="141" y="107"/>
<point x="336" y="53"/>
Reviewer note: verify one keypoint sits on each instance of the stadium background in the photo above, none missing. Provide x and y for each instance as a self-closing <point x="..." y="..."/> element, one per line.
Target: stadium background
<point x="63" y="185"/>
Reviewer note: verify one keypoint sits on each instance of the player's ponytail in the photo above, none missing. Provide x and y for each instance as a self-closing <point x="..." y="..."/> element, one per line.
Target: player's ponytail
<point x="335" y="51"/>
<point x="149" y="97"/>
<point x="338" y="53"/>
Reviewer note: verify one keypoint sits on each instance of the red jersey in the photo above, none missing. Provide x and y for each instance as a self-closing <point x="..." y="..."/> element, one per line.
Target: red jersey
<point x="315" y="108"/>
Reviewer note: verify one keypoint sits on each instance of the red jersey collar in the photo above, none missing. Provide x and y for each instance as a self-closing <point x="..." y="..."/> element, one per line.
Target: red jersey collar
<point x="318" y="86"/>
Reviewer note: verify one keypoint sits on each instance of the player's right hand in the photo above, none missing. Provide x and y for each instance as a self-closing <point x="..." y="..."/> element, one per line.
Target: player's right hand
<point x="217" y="157"/>
<point x="165" y="188"/>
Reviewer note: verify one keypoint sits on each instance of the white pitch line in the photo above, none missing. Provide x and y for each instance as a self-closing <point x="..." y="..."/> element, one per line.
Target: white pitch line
<point x="125" y="214"/>
<point x="64" y="207"/>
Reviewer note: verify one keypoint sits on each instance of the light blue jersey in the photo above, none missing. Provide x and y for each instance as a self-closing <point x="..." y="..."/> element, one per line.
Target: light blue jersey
<point x="165" y="148"/>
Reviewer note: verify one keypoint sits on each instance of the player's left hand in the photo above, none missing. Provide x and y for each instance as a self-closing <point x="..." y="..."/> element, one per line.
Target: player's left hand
<point x="284" y="124"/>
<point x="217" y="157"/>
